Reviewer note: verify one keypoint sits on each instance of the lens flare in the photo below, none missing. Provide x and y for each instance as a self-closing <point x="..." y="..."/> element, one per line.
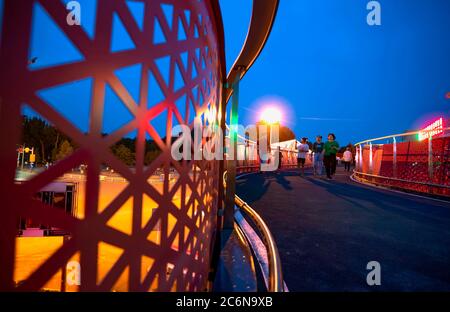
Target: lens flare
<point x="271" y="115"/>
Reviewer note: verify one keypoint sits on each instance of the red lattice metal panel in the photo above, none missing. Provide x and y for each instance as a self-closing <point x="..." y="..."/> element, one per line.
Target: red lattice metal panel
<point x="387" y="168"/>
<point x="180" y="260"/>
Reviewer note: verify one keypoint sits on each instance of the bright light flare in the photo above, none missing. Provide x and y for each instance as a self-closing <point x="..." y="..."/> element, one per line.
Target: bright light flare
<point x="271" y="115"/>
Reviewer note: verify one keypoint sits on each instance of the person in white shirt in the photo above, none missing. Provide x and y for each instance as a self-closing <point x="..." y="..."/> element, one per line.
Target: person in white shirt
<point x="302" y="149"/>
<point x="347" y="159"/>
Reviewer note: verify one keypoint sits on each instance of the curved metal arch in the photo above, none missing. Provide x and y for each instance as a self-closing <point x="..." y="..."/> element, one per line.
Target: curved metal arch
<point x="263" y="17"/>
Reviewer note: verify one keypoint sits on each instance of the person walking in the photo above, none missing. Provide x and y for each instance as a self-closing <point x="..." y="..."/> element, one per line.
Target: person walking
<point x="280" y="158"/>
<point x="348" y="157"/>
<point x="302" y="149"/>
<point x="331" y="147"/>
<point x="318" y="155"/>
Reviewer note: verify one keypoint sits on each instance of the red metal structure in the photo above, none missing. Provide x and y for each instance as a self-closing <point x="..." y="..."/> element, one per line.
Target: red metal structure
<point x="412" y="165"/>
<point x="190" y="263"/>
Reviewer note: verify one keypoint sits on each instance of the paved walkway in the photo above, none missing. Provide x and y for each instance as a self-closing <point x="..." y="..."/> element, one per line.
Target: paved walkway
<point x="327" y="232"/>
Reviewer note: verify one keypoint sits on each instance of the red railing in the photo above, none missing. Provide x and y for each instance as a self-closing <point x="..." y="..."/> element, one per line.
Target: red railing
<point x="249" y="157"/>
<point x="420" y="166"/>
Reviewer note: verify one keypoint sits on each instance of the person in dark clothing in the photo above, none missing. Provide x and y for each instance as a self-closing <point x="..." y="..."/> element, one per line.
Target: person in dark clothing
<point x="318" y="156"/>
<point x="330" y="149"/>
<point x="280" y="158"/>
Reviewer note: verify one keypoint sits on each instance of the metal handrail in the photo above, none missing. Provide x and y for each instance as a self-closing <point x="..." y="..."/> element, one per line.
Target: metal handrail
<point x="261" y="22"/>
<point x="275" y="271"/>
<point x="398" y="135"/>
<point x="263" y="16"/>
<point x="360" y="147"/>
<point x="276" y="282"/>
<point x="400" y="180"/>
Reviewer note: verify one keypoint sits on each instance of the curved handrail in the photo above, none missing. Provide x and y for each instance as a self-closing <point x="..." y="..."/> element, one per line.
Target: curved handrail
<point x="359" y="174"/>
<point x="263" y="17"/>
<point x="398" y="135"/>
<point x="400" y="180"/>
<point x="276" y="282"/>
<point x="262" y="20"/>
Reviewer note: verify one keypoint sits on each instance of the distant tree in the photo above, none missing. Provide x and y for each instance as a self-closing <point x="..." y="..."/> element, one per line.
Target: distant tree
<point x="129" y="143"/>
<point x="124" y="153"/>
<point x="152" y="146"/>
<point x="33" y="134"/>
<point x="286" y="134"/>
<point x="44" y="137"/>
<point x="150" y="156"/>
<point x="64" y="150"/>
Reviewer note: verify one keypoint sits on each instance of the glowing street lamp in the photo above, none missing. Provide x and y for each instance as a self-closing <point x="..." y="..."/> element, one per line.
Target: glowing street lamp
<point x="271" y="115"/>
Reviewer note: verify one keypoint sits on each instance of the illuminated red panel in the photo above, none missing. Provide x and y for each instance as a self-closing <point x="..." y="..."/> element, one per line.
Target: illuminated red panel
<point x="436" y="127"/>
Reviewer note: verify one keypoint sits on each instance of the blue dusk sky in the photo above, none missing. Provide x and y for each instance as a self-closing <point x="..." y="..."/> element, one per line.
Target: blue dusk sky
<point x="332" y="72"/>
<point x="323" y="65"/>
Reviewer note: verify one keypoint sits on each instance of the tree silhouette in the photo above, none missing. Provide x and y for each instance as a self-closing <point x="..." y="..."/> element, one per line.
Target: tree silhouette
<point x="50" y="144"/>
<point x="43" y="137"/>
<point x="286" y="134"/>
<point x="65" y="150"/>
<point x="124" y="153"/>
<point x="150" y="156"/>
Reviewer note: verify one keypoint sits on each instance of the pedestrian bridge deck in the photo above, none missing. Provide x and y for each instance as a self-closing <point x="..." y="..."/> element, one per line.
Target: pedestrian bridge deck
<point x="327" y="232"/>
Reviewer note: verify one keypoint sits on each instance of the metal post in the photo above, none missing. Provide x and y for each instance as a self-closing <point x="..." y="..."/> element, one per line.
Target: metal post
<point x="360" y="158"/>
<point x="231" y="163"/>
<point x="23" y="156"/>
<point x="394" y="157"/>
<point x="246" y="151"/>
<point x="430" y="158"/>
<point x="370" y="158"/>
<point x="18" y="158"/>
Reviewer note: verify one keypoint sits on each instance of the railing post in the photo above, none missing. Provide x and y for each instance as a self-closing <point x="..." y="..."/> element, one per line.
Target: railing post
<point x="230" y="190"/>
<point x="430" y="158"/>
<point x="394" y="157"/>
<point x="370" y="158"/>
<point x="360" y="158"/>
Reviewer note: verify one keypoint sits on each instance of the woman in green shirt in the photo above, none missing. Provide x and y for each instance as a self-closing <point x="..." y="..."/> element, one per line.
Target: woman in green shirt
<point x="329" y="159"/>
